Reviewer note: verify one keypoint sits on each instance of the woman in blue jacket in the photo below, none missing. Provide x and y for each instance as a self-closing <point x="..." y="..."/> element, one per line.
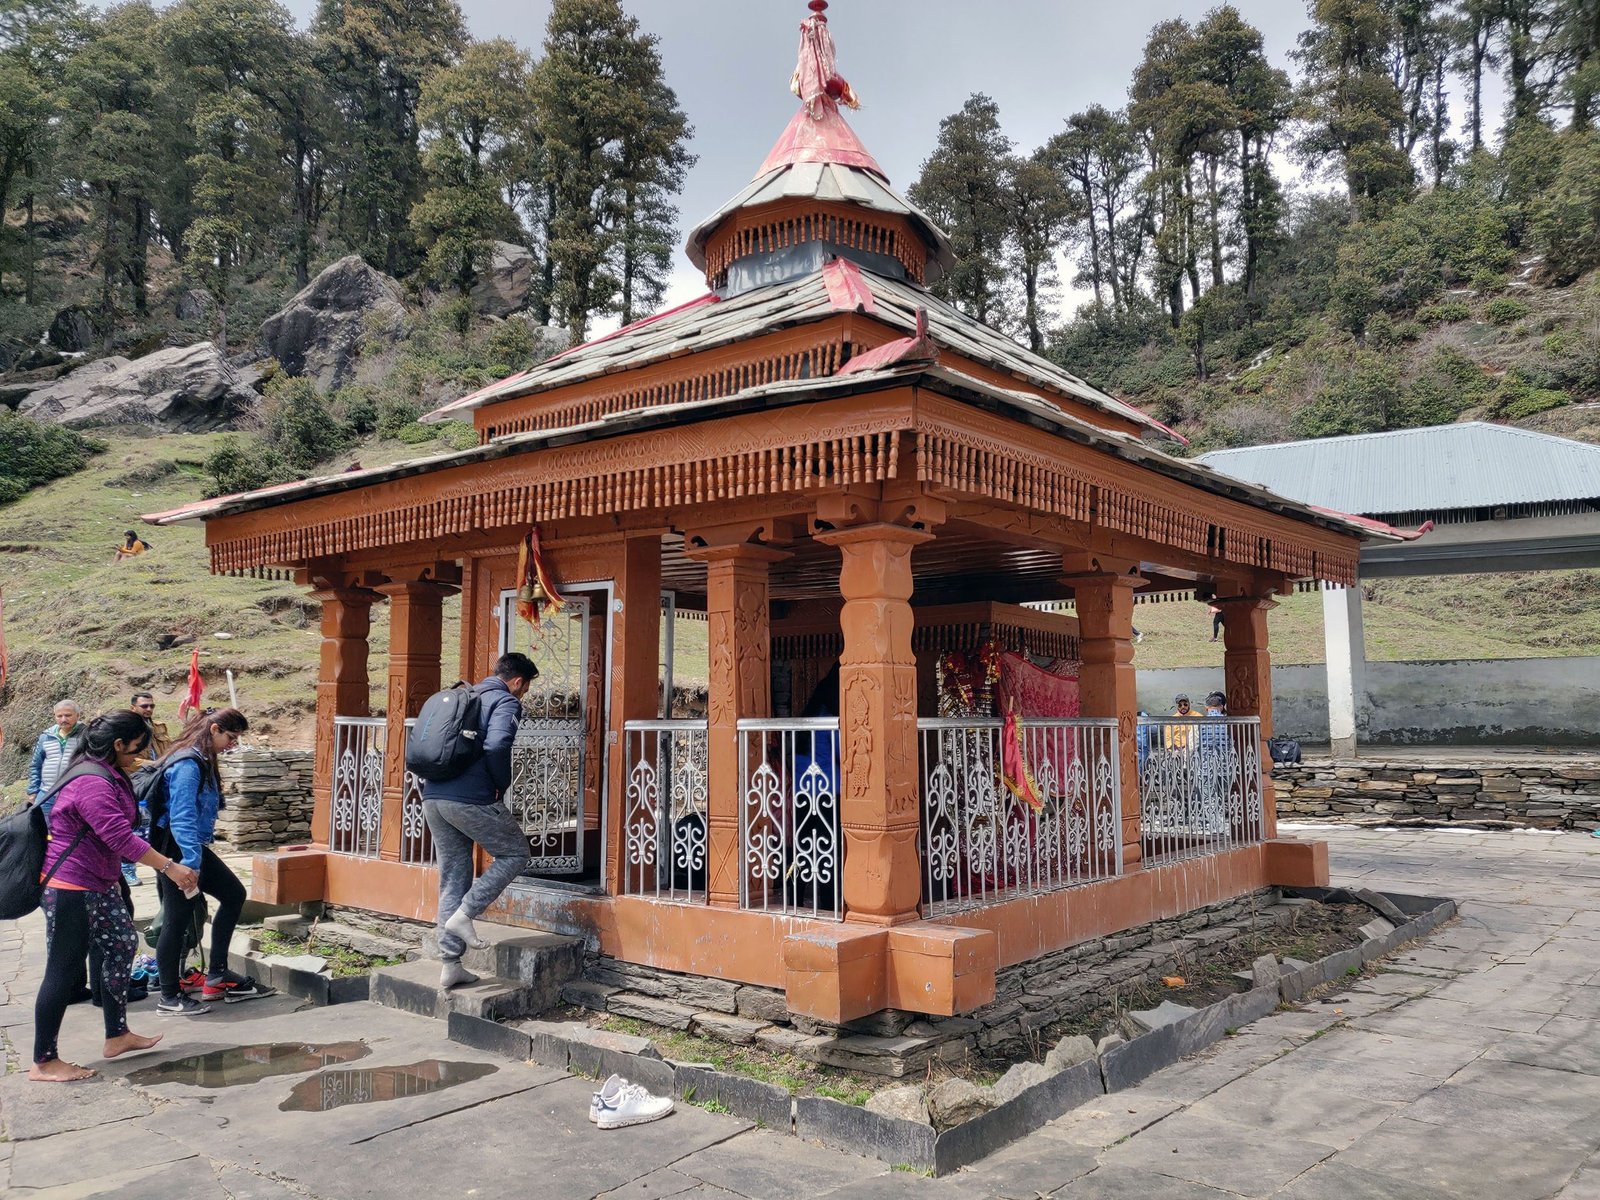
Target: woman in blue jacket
<point x="183" y="827"/>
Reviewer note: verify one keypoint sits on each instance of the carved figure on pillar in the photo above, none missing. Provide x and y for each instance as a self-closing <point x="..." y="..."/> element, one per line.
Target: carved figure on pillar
<point x="878" y="689"/>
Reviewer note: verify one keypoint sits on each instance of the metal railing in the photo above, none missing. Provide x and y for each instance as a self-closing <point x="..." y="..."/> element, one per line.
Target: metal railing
<point x="355" y="823"/>
<point x="981" y="842"/>
<point x="665" y="810"/>
<point x="790" y="848"/>
<point x="1199" y="785"/>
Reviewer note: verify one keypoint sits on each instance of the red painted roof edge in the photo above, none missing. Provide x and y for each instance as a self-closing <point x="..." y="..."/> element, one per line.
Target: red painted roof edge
<point x="1408" y="535"/>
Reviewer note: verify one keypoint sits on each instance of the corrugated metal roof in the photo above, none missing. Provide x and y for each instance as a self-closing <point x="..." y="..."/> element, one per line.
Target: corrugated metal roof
<point x="1442" y="467"/>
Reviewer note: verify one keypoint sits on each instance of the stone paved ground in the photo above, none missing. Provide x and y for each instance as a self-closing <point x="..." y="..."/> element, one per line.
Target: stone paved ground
<point x="1468" y="1068"/>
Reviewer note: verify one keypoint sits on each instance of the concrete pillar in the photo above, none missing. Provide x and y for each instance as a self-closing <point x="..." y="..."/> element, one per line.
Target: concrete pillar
<point x="1247" y="675"/>
<point x="879" y="809"/>
<point x="738" y="629"/>
<point x="1347" y="666"/>
<point x="415" y="620"/>
<point x="1109" y="685"/>
<point x="342" y="687"/>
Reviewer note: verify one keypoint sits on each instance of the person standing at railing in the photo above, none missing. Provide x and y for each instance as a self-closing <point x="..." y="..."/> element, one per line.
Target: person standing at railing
<point x="469" y="809"/>
<point x="1180" y="734"/>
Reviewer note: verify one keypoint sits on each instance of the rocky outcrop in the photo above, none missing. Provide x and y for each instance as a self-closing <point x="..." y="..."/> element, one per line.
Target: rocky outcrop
<point x="340" y="314"/>
<point x="183" y="389"/>
<point x="73" y="329"/>
<point x="507" y="281"/>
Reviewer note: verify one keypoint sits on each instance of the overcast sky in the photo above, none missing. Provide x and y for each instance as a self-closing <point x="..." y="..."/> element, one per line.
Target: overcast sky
<point x="912" y="62"/>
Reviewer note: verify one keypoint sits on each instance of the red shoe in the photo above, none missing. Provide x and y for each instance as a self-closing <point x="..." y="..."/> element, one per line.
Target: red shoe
<point x="229" y="987"/>
<point x="193" y="981"/>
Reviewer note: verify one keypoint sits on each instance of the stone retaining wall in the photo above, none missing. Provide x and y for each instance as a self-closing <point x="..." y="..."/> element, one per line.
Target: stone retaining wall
<point x="1028" y="997"/>
<point x="1553" y="796"/>
<point x="266" y="798"/>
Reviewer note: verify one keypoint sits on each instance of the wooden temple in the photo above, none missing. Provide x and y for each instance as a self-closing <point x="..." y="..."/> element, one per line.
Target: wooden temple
<point x="907" y="774"/>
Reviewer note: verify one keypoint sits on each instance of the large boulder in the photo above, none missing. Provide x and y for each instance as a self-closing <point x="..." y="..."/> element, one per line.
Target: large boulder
<point x="182" y="389"/>
<point x="507" y="281"/>
<point x="322" y="332"/>
<point x="73" y="329"/>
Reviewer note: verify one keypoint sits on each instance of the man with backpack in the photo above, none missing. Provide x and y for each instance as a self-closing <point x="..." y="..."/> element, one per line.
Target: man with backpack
<point x="465" y="804"/>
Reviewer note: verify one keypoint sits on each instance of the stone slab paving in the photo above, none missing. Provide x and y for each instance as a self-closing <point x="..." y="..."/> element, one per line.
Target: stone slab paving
<point x="1468" y="1067"/>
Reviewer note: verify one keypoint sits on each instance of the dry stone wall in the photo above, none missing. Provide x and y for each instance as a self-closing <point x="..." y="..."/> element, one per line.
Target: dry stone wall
<point x="1562" y="795"/>
<point x="266" y="798"/>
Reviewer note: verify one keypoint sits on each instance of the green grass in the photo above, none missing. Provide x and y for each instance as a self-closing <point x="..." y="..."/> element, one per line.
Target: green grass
<point x="343" y="960"/>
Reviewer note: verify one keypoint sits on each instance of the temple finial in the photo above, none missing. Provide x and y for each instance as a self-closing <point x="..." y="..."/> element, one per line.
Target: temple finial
<point x="815" y="80"/>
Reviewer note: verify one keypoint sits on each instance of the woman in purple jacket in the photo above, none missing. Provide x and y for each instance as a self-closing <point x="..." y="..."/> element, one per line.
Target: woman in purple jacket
<point x="82" y="902"/>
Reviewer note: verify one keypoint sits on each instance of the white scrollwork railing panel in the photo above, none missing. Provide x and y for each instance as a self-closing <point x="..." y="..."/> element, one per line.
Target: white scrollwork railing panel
<point x="355" y="819"/>
<point x="665" y="833"/>
<point x="790" y="847"/>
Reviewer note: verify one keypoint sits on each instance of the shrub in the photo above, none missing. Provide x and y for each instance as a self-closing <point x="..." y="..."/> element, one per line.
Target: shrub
<point x="1446" y="386"/>
<point x="416" y="433"/>
<point x="32" y="452"/>
<point x="242" y="465"/>
<point x="1517" y="397"/>
<point x="300" y="426"/>
<point x="1363" y="398"/>
<point x="1506" y="311"/>
<point x="357" y="407"/>
<point x="458" y="435"/>
<point x="1444" y="312"/>
<point x="394" y="415"/>
<point x="1566" y="215"/>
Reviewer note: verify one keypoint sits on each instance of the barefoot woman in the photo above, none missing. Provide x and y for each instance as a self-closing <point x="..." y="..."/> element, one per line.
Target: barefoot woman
<point x="82" y="903"/>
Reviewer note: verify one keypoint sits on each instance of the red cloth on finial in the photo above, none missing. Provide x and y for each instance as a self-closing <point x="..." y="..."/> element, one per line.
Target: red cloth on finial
<point x="815" y="78"/>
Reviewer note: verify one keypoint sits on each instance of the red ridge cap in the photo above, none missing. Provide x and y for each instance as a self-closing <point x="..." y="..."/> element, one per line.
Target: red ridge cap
<point x="1409" y="535"/>
<point x="848" y="289"/>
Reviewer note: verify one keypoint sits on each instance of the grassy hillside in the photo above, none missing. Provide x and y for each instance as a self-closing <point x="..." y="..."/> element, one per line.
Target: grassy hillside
<point x="80" y="624"/>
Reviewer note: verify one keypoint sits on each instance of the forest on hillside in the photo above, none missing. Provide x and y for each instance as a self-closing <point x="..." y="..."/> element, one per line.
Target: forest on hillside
<point x="1433" y="258"/>
<point x="1347" y="240"/>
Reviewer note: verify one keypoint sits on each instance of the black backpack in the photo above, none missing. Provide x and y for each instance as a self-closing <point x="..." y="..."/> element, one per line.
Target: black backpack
<point x="446" y="737"/>
<point x="1284" y="750"/>
<point x="23" y="838"/>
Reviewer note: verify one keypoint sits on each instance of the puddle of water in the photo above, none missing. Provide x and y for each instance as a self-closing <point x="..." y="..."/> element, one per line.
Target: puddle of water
<point x="250" y="1064"/>
<point x="328" y="1090"/>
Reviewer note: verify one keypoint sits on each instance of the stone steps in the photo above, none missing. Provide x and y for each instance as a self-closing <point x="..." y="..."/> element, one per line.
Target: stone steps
<point x="522" y="973"/>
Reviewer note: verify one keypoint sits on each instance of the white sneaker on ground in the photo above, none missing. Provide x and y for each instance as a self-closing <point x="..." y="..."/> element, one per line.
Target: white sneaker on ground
<point x="608" y="1089"/>
<point x="460" y="924"/>
<point x="629" y="1105"/>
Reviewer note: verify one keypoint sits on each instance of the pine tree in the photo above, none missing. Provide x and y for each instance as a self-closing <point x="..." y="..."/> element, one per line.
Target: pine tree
<point x="613" y="146"/>
<point x="375" y="55"/>
<point x="1099" y="158"/>
<point x="475" y="117"/>
<point x="1042" y="209"/>
<point x="1354" y="112"/>
<point x="965" y="185"/>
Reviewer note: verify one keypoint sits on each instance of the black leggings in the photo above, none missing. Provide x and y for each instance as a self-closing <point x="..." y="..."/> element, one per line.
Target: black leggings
<point x="177" y="912"/>
<point x="73" y="922"/>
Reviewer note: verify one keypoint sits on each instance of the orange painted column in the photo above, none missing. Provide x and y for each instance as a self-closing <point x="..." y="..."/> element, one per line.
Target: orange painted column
<point x="415" y="620"/>
<point x="880" y="798"/>
<point x="342" y="687"/>
<point x="1109" y="685"/>
<point x="739" y="644"/>
<point x="635" y="676"/>
<point x="1247" y="672"/>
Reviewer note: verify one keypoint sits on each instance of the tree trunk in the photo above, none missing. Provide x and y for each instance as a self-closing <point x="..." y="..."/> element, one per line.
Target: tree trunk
<point x="30" y="278"/>
<point x="1214" y="200"/>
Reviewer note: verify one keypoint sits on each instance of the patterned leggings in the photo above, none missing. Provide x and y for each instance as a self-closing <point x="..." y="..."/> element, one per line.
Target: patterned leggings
<point x="75" y="922"/>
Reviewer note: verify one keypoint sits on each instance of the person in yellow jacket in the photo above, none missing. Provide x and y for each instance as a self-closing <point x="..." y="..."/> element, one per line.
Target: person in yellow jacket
<point x="1180" y="735"/>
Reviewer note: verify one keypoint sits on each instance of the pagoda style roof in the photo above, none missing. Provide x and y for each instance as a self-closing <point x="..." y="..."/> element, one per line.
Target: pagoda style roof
<point x="825" y="170"/>
<point x="841" y="286"/>
<point x="1022" y="406"/>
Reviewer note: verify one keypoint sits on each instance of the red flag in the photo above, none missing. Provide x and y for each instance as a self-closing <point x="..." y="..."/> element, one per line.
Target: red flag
<point x="535" y="586"/>
<point x="1014" y="766"/>
<point x="197" y="686"/>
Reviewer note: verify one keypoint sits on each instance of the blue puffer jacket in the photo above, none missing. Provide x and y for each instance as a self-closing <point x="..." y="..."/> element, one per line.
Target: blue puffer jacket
<point x="192" y="805"/>
<point x="487" y="779"/>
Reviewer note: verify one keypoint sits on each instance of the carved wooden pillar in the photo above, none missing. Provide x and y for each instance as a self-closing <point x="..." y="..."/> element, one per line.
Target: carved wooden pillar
<point x="740" y="685"/>
<point x="1109" y="685"/>
<point x="342" y="687"/>
<point x="1247" y="672"/>
<point x="635" y="676"/>
<point x="878" y="810"/>
<point x="414" y="634"/>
